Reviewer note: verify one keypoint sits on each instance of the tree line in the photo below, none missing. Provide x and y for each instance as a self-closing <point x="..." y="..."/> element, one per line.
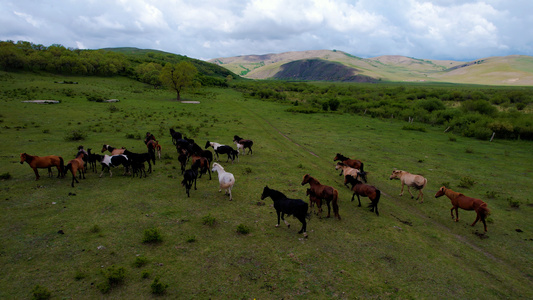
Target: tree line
<point x="468" y="110"/>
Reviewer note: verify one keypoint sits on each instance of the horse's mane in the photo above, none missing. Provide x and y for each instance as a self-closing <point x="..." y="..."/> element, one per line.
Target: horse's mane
<point x="276" y="194"/>
<point x="342" y="157"/>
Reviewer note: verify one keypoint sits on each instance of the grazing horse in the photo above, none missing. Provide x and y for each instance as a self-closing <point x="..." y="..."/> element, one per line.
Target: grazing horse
<point x="189" y="177"/>
<point x="139" y="158"/>
<point x="114" y="161"/>
<point x="411" y="180"/>
<point x="42" y="162"/>
<point x="285" y="206"/>
<point x="175" y="136"/>
<point x="225" y="179"/>
<point x="467" y="203"/>
<point x="76" y="165"/>
<point x="243" y="144"/>
<point x="365" y="190"/>
<point x="347" y="171"/>
<point x="114" y="151"/>
<point x="354" y="163"/>
<point x="325" y="192"/>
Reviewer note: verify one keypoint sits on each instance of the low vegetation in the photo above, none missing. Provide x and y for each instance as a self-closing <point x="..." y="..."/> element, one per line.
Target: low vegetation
<point x="130" y="238"/>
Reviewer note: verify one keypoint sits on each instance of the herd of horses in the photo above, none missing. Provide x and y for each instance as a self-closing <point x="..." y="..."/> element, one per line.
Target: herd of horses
<point x="201" y="162"/>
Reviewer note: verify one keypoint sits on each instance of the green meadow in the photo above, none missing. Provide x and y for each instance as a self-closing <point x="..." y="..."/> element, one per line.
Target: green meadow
<point x="131" y="238"/>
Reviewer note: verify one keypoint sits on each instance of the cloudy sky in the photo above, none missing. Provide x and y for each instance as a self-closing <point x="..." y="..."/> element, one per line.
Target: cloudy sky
<point x="439" y="29"/>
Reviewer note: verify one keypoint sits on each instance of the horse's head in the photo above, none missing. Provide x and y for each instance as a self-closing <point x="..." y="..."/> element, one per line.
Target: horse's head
<point x="236" y="138"/>
<point x="396" y="174"/>
<point x="104" y="148"/>
<point x="306" y="179"/>
<point x="339" y="156"/>
<point x="442" y="191"/>
<point x="339" y="165"/>
<point x="22" y="158"/>
<point x="216" y="166"/>
<point x="266" y="193"/>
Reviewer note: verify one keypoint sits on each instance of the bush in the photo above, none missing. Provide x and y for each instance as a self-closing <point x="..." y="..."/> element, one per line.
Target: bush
<point x="5" y="176"/>
<point x="152" y="236"/>
<point x="513" y="203"/>
<point x="466" y="182"/>
<point x="209" y="220"/>
<point x="40" y="293"/>
<point x="157" y="287"/>
<point x="75" y="135"/>
<point x="140" y="261"/>
<point x="243" y="229"/>
<point x="113" y="277"/>
<point x="414" y="128"/>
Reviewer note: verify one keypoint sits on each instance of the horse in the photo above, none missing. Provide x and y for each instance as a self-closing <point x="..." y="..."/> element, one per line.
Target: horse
<point x="175" y="136"/>
<point x="313" y="199"/>
<point x="347" y="171"/>
<point x="243" y="144"/>
<point x="137" y="167"/>
<point x="411" y="180"/>
<point x="189" y="177"/>
<point x="203" y="166"/>
<point x="354" y="163"/>
<point x="325" y="192"/>
<point x="41" y="162"/>
<point x="91" y="159"/>
<point x="139" y="158"/>
<point x="286" y="206"/>
<point x="214" y="146"/>
<point x="225" y="179"/>
<point x="467" y="203"/>
<point x="149" y="137"/>
<point x="114" y="161"/>
<point x="182" y="158"/>
<point x="224" y="149"/>
<point x="153" y="147"/>
<point x="76" y="165"/>
<point x="114" y="151"/>
<point x="365" y="190"/>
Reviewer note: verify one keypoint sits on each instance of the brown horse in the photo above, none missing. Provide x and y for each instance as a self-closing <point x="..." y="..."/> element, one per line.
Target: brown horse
<point x="467" y="203"/>
<point x="314" y="199"/>
<point x="114" y="151"/>
<point x="354" y="163"/>
<point x="76" y="165"/>
<point x="325" y="192"/>
<point x="203" y="166"/>
<point x="42" y="162"/>
<point x="365" y="190"/>
<point x="411" y="180"/>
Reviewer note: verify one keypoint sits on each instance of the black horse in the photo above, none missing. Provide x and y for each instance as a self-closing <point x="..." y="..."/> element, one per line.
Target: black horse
<point x="139" y="158"/>
<point x="224" y="149"/>
<point x="175" y="136"/>
<point x="190" y="176"/>
<point x="285" y="206"/>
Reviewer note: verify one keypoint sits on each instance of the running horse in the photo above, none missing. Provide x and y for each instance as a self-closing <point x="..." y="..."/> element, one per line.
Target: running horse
<point x="42" y="162"/>
<point x="411" y="180"/>
<point x="353" y="163"/>
<point x="76" y="165"/>
<point x="325" y="192"/>
<point x="286" y="206"/>
<point x="467" y="203"/>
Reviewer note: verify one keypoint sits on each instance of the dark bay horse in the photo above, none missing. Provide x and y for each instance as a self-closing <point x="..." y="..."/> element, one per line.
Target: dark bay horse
<point x="467" y="203"/>
<point x="354" y="163"/>
<point x="76" y="165"/>
<point x="44" y="162"/>
<point x="325" y="192"/>
<point x="365" y="190"/>
<point x="286" y="206"/>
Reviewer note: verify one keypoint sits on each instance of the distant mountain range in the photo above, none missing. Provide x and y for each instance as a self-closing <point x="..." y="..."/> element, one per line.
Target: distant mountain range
<point x="334" y="65"/>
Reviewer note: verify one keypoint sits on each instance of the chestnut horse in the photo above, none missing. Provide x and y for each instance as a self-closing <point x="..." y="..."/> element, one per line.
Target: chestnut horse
<point x="365" y="190"/>
<point x="467" y="203"/>
<point x="324" y="192"/>
<point x="42" y="162"/>
<point x="411" y="180"/>
<point x="76" y="165"/>
<point x="354" y="163"/>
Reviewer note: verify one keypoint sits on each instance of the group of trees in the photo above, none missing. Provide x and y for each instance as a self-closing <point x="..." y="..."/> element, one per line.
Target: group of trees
<point x="157" y="69"/>
<point x="473" y="111"/>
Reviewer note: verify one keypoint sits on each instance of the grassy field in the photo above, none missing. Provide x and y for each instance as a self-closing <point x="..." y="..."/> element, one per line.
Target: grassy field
<point x="72" y="241"/>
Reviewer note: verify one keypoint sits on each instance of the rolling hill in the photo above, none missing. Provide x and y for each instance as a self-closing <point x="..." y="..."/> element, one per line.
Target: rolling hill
<point x="334" y="65"/>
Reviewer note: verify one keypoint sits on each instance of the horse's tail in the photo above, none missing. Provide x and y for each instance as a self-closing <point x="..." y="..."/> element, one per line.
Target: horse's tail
<point x="62" y="166"/>
<point x="335" y="203"/>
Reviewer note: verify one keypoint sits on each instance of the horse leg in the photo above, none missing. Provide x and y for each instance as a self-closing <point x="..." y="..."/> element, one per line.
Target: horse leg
<point x="421" y="196"/>
<point x="36" y="174"/>
<point x="409" y="190"/>
<point x="229" y="191"/>
<point x="358" y="199"/>
<point x="194" y="184"/>
<point x="477" y="219"/>
<point x="401" y="192"/>
<point x="304" y="225"/>
<point x="150" y="167"/>
<point x="329" y="207"/>
<point x="278" y="212"/>
<point x="285" y="221"/>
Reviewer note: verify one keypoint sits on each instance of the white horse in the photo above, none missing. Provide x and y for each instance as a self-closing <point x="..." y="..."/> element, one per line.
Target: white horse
<point x="226" y="180"/>
<point x="411" y="180"/>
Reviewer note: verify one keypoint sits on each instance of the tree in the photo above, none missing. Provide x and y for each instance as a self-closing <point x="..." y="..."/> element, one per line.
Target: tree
<point x="179" y="76"/>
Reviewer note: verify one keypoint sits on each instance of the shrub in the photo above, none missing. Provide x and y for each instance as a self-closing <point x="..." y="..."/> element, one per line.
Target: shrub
<point x="513" y="203"/>
<point x="191" y="239"/>
<point x="243" y="229"/>
<point x="466" y="182"/>
<point x="75" y="135"/>
<point x="40" y="293"/>
<point x="140" y="261"/>
<point x="209" y="220"/>
<point x="145" y="274"/>
<point x="157" y="287"/>
<point x="414" y="127"/>
<point x="491" y="194"/>
<point x="5" y="176"/>
<point x="113" y="277"/>
<point x="79" y="275"/>
<point x="95" y="229"/>
<point x="152" y="236"/>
